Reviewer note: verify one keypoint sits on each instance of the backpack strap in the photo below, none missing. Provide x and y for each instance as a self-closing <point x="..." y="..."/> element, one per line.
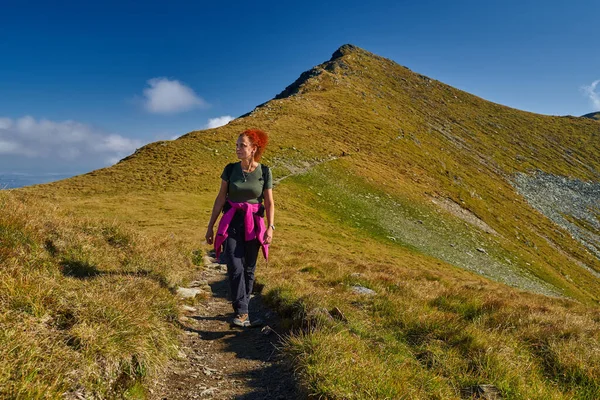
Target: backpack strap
<point x="229" y="171"/>
<point x="265" y="174"/>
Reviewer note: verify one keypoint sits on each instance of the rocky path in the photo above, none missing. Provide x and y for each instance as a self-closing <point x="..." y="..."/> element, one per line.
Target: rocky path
<point x="221" y="361"/>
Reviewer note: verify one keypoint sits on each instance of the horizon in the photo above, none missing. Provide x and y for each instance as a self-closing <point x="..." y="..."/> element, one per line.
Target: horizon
<point x="85" y="85"/>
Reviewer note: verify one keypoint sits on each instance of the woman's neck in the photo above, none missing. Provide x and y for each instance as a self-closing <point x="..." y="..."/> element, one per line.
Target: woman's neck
<point x="247" y="164"/>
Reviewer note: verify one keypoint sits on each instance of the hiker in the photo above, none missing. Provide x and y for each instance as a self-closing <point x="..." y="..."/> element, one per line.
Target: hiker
<point x="241" y="231"/>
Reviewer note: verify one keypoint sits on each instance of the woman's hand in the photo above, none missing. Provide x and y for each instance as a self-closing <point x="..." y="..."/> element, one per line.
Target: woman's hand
<point x="268" y="236"/>
<point x="209" y="235"/>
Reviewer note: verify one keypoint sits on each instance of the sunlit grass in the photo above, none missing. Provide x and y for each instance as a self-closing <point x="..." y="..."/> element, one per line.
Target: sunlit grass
<point x="84" y="306"/>
<point x="361" y="152"/>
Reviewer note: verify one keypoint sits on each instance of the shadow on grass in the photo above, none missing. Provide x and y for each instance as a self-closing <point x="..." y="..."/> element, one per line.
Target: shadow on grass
<point x="83" y="270"/>
<point x="79" y="269"/>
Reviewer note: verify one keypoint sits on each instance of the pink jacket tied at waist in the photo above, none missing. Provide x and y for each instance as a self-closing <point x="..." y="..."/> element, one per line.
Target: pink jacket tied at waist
<point x="254" y="226"/>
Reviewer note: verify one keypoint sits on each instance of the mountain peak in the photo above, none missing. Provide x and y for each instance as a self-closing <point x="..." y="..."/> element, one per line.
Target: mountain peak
<point x="345" y="49"/>
<point x="334" y="61"/>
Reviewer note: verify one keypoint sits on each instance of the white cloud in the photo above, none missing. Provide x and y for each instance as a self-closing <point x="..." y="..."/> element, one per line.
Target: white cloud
<point x="7" y="147"/>
<point x="112" y="160"/>
<point x="68" y="141"/>
<point x="5" y="123"/>
<point x="165" y="96"/>
<point x="219" y="121"/>
<point x="118" y="144"/>
<point x="592" y="94"/>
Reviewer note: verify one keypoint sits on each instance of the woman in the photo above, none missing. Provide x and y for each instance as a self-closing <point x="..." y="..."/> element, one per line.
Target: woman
<point x="244" y="186"/>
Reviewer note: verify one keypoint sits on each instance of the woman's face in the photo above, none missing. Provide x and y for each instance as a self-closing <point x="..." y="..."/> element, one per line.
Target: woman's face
<point x="244" y="148"/>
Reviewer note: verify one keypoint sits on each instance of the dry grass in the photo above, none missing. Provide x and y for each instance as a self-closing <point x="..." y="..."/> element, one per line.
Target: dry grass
<point x="84" y="306"/>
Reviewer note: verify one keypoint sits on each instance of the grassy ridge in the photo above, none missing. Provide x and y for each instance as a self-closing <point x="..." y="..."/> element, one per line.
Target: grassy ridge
<point x="407" y="134"/>
<point x="84" y="306"/>
<point x="365" y="151"/>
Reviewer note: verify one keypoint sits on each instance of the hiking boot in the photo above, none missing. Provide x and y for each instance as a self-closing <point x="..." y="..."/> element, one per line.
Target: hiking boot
<point x="242" y="320"/>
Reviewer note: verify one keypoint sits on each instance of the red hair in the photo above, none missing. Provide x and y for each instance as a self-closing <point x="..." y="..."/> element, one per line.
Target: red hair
<point x="257" y="138"/>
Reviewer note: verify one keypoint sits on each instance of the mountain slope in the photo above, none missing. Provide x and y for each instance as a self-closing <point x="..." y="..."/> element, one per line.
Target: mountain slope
<point x="395" y="181"/>
<point x="594" y="115"/>
<point x="415" y="139"/>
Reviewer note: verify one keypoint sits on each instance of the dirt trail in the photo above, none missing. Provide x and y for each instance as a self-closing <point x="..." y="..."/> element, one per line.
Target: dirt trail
<point x="221" y="361"/>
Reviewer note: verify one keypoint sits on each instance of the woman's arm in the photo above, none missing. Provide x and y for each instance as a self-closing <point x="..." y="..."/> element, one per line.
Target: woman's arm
<point x="217" y="207"/>
<point x="270" y="211"/>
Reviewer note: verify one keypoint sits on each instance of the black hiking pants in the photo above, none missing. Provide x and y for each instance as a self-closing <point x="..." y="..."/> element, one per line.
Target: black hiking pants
<point x="241" y="262"/>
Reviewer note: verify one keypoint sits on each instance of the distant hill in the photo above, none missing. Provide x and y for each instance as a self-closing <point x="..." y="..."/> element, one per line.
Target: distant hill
<point x="594" y="115"/>
<point x="453" y="209"/>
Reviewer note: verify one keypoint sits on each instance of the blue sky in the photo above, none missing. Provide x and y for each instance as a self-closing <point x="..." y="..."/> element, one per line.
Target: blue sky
<point x="83" y="84"/>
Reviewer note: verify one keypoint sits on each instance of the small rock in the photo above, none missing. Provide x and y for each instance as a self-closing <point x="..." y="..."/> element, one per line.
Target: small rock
<point x="194" y="284"/>
<point x="363" y="290"/>
<point x="208" y="371"/>
<point x="181" y="355"/>
<point x="187" y="308"/>
<point x="266" y="330"/>
<point x="208" y="260"/>
<point x="319" y="313"/>
<point x="188" y="293"/>
<point x="208" y="392"/>
<point x="338" y="314"/>
<point x="479" y="249"/>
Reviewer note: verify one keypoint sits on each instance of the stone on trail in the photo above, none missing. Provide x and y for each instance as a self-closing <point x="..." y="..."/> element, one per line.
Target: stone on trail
<point x="187" y="293"/>
<point x="187" y="308"/>
<point x="266" y="330"/>
<point x="208" y="392"/>
<point x="363" y="290"/>
<point x="209" y="371"/>
<point x="208" y="260"/>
